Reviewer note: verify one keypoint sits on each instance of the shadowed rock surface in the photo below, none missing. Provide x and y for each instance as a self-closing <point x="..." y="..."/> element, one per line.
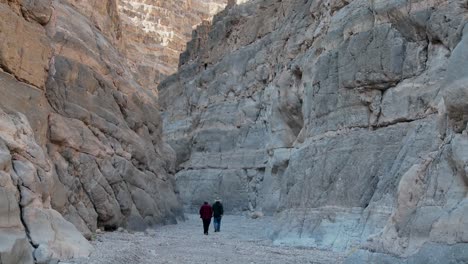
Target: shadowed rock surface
<point x="80" y="138"/>
<point x="347" y="119"/>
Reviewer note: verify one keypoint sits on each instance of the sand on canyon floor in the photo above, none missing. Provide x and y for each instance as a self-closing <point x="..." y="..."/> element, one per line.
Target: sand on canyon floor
<point x="241" y="240"/>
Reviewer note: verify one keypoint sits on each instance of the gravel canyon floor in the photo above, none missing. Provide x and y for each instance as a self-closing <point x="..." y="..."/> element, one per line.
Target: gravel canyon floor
<point x="241" y="240"/>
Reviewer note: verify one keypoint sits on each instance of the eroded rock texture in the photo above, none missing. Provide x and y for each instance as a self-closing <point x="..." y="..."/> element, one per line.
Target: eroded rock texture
<point x="156" y="32"/>
<point x="346" y="118"/>
<point x="80" y="138"/>
<point x="31" y="228"/>
<point x="105" y="137"/>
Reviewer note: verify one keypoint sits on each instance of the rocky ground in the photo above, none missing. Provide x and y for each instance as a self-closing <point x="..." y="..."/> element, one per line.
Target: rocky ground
<point x="241" y="240"/>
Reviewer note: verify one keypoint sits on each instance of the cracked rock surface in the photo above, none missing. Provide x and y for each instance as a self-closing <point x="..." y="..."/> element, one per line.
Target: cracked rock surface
<point x="80" y="137"/>
<point x="345" y="119"/>
<point x="31" y="230"/>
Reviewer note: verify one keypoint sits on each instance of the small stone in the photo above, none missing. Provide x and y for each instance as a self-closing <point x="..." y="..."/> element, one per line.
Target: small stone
<point x="256" y="215"/>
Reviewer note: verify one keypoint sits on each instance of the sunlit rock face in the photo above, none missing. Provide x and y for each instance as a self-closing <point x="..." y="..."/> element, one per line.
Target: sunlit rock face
<point x="346" y="119"/>
<point x="156" y="32"/>
<point x="80" y="138"/>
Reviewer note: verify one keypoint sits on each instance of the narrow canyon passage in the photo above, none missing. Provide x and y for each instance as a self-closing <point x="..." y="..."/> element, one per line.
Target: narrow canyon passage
<point x="345" y="120"/>
<point x="241" y="240"/>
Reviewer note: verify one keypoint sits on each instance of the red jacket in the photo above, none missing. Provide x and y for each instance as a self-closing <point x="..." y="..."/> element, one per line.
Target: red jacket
<point x="206" y="212"/>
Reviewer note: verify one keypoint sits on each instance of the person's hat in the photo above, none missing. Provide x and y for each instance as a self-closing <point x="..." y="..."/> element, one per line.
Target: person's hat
<point x="217" y="200"/>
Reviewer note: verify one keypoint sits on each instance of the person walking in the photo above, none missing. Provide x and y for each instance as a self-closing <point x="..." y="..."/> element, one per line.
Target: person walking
<point x="218" y="212"/>
<point x="205" y="214"/>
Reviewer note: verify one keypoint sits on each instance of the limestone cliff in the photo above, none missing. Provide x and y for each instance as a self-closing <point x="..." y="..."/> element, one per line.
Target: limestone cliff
<point x="156" y="32"/>
<point x="347" y="119"/>
<point x="80" y="138"/>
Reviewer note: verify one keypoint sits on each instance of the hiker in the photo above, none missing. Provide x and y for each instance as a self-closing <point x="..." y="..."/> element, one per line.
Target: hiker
<point x="218" y="212"/>
<point x="205" y="214"/>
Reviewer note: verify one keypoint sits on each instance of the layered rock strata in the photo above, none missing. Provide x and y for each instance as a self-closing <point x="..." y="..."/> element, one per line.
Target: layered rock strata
<point x="80" y="138"/>
<point x="156" y="32"/>
<point x="345" y="118"/>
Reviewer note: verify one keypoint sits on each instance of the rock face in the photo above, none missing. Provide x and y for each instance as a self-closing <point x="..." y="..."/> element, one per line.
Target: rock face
<point x="112" y="168"/>
<point x="345" y="118"/>
<point x="31" y="230"/>
<point x="80" y="139"/>
<point x="156" y="32"/>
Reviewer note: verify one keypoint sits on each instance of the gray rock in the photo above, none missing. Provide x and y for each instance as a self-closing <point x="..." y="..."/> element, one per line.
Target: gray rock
<point x="15" y="247"/>
<point x="41" y="10"/>
<point x="27" y="217"/>
<point x="346" y="119"/>
<point x="14" y="244"/>
<point x="42" y="255"/>
<point x="81" y="142"/>
<point x="430" y="253"/>
<point x="105" y="138"/>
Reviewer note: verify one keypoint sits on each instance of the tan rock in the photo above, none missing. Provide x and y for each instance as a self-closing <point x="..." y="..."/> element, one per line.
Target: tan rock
<point x="156" y="32"/>
<point x="25" y="50"/>
<point x="27" y="99"/>
<point x="75" y="134"/>
<point x="81" y="138"/>
<point x="106" y="133"/>
<point x="38" y="10"/>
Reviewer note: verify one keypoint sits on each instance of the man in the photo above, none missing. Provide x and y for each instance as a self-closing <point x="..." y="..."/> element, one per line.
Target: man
<point x="218" y="212"/>
<point x="205" y="214"/>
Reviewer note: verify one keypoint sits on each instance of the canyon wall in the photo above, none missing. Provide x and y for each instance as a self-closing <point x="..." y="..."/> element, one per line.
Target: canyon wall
<point x="346" y="119"/>
<point x="156" y="32"/>
<point x="80" y="138"/>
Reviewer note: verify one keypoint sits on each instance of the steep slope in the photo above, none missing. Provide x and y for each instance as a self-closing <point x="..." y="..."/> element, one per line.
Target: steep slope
<point x="30" y="230"/>
<point x="80" y="138"/>
<point x="347" y="118"/>
<point x="156" y="32"/>
<point x="107" y="131"/>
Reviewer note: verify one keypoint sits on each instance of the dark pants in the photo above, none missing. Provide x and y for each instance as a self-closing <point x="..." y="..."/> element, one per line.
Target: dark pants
<point x="206" y="225"/>
<point x="217" y="223"/>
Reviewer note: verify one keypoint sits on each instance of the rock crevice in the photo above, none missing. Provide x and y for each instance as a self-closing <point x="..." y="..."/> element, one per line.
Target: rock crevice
<point x="80" y="130"/>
